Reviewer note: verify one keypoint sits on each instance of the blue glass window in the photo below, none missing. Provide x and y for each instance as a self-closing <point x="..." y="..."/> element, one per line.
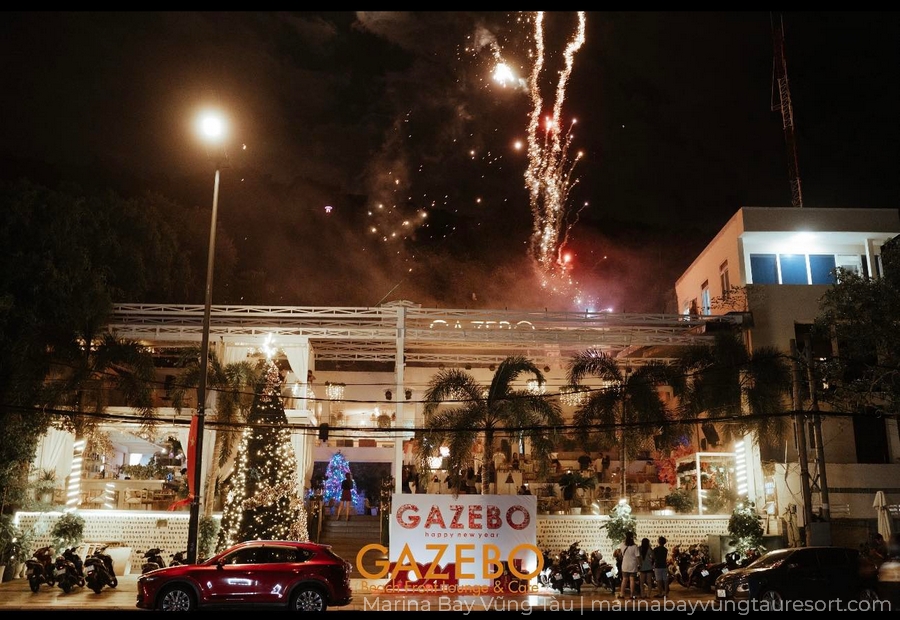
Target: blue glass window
<point x="821" y="267"/>
<point x="763" y="269"/>
<point x="793" y="269"/>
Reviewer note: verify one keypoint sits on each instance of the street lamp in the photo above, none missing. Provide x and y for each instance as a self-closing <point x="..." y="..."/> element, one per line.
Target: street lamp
<point x="212" y="128"/>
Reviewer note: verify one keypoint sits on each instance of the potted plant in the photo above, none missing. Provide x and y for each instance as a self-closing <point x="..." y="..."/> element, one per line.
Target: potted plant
<point x="67" y="531"/>
<point x="45" y="485"/>
<point x="17" y="552"/>
<point x="681" y="500"/>
<point x="571" y="481"/>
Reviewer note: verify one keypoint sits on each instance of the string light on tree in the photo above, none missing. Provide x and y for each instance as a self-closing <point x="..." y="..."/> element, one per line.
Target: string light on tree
<point x="338" y="466"/>
<point x="261" y="501"/>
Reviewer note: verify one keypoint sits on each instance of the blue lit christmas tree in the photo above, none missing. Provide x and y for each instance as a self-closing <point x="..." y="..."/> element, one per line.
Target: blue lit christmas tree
<point x="338" y="466"/>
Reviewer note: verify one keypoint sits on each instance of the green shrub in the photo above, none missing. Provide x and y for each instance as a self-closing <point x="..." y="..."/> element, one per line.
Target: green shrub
<point x="681" y="500"/>
<point x="208" y="533"/>
<point x="67" y="531"/>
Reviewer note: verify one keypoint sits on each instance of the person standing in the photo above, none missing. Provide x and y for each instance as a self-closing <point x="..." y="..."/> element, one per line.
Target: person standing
<point x="661" y="567"/>
<point x="631" y="564"/>
<point x="645" y="577"/>
<point x="346" y="496"/>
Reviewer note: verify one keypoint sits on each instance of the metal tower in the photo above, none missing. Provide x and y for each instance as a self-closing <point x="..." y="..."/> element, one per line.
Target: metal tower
<point x="780" y="80"/>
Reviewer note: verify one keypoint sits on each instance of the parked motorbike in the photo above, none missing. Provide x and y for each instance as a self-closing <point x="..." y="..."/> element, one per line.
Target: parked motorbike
<point x="69" y="570"/>
<point x="695" y="572"/>
<point x="545" y="577"/>
<point x="99" y="571"/>
<point x="603" y="574"/>
<point x="178" y="558"/>
<point x="39" y="568"/>
<point x="568" y="572"/>
<point x="152" y="560"/>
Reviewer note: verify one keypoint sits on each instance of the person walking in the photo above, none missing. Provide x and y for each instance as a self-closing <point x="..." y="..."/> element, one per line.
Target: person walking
<point x="661" y="567"/>
<point x="631" y="564"/>
<point x="645" y="573"/>
<point x="346" y="496"/>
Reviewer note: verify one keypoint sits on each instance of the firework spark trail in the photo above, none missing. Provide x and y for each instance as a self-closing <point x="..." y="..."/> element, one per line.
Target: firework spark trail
<point x="549" y="174"/>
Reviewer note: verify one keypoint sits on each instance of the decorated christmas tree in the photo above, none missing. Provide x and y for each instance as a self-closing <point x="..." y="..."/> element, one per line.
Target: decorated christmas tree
<point x="263" y="501"/>
<point x="338" y="466"/>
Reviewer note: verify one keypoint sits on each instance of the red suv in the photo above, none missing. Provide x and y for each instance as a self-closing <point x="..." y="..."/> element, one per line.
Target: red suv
<point x="302" y="576"/>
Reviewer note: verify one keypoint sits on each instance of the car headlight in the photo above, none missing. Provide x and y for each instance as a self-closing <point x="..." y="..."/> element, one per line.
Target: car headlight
<point x="742" y="586"/>
<point x="148" y="579"/>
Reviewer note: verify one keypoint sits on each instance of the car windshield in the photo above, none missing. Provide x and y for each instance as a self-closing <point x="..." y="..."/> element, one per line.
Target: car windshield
<point x="772" y="559"/>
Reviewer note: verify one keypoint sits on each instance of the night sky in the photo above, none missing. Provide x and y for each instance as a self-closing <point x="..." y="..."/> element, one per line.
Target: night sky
<point x="385" y="116"/>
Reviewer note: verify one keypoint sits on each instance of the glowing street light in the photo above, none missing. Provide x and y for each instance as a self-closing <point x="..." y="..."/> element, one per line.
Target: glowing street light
<point x="212" y="128"/>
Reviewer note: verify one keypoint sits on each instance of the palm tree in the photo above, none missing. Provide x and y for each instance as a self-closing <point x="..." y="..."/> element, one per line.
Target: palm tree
<point x="89" y="367"/>
<point x="459" y="410"/>
<point x="234" y="386"/>
<point x="628" y="410"/>
<point x="724" y="380"/>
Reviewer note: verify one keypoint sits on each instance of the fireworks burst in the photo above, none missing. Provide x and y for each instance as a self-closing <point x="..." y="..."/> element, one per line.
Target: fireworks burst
<point x="550" y="166"/>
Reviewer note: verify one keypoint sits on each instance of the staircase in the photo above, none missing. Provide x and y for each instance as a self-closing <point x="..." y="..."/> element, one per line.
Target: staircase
<point x="348" y="537"/>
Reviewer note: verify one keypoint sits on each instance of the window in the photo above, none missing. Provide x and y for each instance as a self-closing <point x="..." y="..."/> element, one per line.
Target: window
<point x="723" y="279"/>
<point x="793" y="269"/>
<point x="821" y="268"/>
<point x="871" y="438"/>
<point x="763" y="269"/>
<point x="850" y="262"/>
<point x="248" y="555"/>
<point x="705" y="305"/>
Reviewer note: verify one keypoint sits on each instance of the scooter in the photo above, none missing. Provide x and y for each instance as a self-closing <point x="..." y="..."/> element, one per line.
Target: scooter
<point x="99" y="571"/>
<point x="178" y="558"/>
<point x="603" y="574"/>
<point x="152" y="560"/>
<point x="545" y="576"/>
<point x="39" y="568"/>
<point x="68" y="570"/>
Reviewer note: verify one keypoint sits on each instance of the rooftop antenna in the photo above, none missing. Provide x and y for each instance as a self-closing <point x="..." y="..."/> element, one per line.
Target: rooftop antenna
<point x="780" y="80"/>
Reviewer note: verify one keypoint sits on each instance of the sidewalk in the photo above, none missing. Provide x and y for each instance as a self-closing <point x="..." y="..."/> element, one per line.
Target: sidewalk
<point x="16" y="595"/>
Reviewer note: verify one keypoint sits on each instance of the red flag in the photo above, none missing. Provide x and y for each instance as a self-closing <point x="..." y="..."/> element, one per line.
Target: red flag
<point x="192" y="456"/>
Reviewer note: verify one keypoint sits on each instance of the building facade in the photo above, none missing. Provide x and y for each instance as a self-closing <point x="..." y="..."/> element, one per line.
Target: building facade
<point x="776" y="264"/>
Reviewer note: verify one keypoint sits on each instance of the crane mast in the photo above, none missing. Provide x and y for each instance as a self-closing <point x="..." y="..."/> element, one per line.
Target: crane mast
<point x="780" y="81"/>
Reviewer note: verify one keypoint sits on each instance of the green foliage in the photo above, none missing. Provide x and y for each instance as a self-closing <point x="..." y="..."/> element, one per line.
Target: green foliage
<point x="719" y="500"/>
<point x="459" y="411"/>
<point x="681" y="500"/>
<point x="208" y="531"/>
<point x="19" y="548"/>
<point x="571" y="481"/>
<point x="153" y="470"/>
<point x="620" y="522"/>
<point x="857" y="313"/>
<point x="7" y="535"/>
<point x="67" y="531"/>
<point x="745" y="528"/>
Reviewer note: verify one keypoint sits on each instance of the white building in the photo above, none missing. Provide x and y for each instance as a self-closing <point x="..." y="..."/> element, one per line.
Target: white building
<point x="777" y="263"/>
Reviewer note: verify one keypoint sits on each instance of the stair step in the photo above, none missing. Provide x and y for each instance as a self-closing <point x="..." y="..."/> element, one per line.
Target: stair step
<point x="348" y="537"/>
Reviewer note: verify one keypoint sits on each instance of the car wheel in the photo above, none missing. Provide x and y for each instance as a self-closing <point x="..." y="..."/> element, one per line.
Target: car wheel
<point x="308" y="599"/>
<point x="771" y="596"/>
<point x="177" y="598"/>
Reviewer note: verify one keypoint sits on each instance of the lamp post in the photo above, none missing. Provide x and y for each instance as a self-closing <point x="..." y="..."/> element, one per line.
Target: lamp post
<point x="212" y="128"/>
